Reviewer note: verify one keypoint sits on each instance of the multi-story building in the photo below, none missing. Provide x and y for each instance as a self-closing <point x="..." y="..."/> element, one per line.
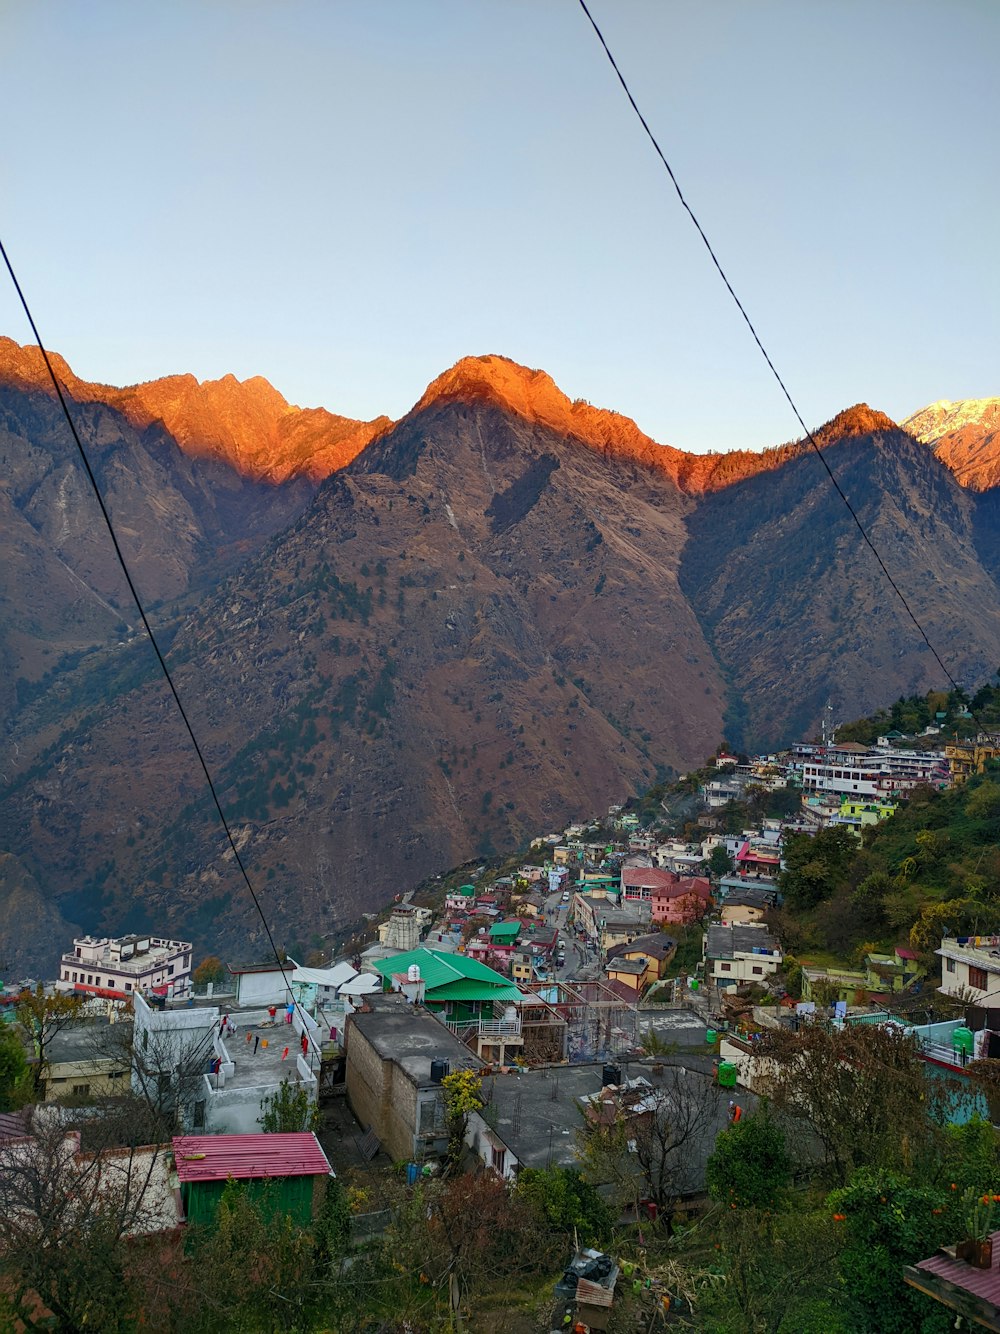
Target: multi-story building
<point x="970" y="968"/>
<point x="735" y="954"/>
<point x="118" y="968"/>
<point x="970" y="756"/>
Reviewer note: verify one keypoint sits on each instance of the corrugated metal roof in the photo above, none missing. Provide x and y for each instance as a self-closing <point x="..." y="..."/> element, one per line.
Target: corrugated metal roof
<point x="467" y="988"/>
<point x="983" y="1282"/>
<point x="437" y="969"/>
<point x="218" y="1157"/>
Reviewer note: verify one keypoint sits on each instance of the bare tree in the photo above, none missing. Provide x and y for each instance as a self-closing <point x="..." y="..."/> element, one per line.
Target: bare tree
<point x="43" y="1017"/>
<point x="67" y="1216"/>
<point x="861" y="1091"/>
<point x="651" y="1141"/>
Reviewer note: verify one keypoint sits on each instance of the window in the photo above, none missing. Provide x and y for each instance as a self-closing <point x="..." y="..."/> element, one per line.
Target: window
<point x="756" y="969"/>
<point x="978" y="978"/>
<point x="81" y="1090"/>
<point x="74" y="977"/>
<point x="90" y="979"/>
<point x="497" y="1158"/>
<point x="725" y="967"/>
<point x="949" y="965"/>
<point x="171" y="970"/>
<point x="128" y="986"/>
<point x="199" y="1115"/>
<point x="65" y="974"/>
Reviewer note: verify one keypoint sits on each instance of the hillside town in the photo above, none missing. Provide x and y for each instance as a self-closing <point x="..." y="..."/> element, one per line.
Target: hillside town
<point x="620" y="970"/>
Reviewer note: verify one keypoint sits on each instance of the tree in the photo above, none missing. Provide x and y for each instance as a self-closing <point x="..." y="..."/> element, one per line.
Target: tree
<point x="779" y="1274"/>
<point x="814" y="866"/>
<point x="15" y="1077"/>
<point x="861" y="1090"/>
<point x="463" y="1094"/>
<point x="719" y="861"/>
<point x="67" y="1220"/>
<point x="43" y="1017"/>
<point x="641" y="1141"/>
<point x="211" y="969"/>
<point x="566" y="1202"/>
<point x="890" y="1222"/>
<point x="288" y="1110"/>
<point x="750" y="1165"/>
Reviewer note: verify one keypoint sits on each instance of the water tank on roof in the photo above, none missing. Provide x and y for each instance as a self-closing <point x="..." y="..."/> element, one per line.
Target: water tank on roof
<point x="439" y="1069"/>
<point x="510" y="1014"/>
<point x="727" y="1075"/>
<point x="611" y="1074"/>
<point x="413" y="973"/>
<point x="963" y="1040"/>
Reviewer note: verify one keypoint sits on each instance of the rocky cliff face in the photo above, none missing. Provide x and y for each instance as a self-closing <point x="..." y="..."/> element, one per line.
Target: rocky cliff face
<point x="508" y="609"/>
<point x="965" y="436"/>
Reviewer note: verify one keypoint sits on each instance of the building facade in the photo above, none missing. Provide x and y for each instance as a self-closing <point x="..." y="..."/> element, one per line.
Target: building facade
<point x="118" y="968"/>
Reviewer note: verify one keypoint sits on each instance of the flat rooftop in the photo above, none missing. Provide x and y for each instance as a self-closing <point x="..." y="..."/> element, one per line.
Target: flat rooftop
<point x="412" y="1037"/>
<point x="265" y="1065"/>
<point x="547" y="1109"/>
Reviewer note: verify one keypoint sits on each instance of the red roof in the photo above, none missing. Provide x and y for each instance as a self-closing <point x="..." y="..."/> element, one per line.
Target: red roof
<point x="691" y="885"/>
<point x="647" y="877"/>
<point x="906" y="954"/>
<point x="982" y="1283"/>
<point x="219" y="1157"/>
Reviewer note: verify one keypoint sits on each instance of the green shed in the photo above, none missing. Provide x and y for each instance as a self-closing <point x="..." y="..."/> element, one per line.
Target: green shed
<point x="288" y="1173"/>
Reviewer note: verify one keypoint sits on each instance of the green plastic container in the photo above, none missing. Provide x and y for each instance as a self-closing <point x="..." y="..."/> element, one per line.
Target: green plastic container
<point x="727" y="1075"/>
<point x="711" y="1035"/>
<point x="963" y="1040"/>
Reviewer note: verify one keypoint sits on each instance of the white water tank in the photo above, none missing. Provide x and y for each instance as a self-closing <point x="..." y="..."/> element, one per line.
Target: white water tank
<point x="413" y="973"/>
<point x="510" y="1014"/>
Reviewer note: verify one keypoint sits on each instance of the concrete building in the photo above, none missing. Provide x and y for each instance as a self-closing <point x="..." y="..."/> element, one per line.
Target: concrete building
<point x="737" y="954"/>
<point x="217" y="1082"/>
<point x="970" y="968"/>
<point x="90" y="1059"/>
<point x="532" y="1119"/>
<point x="261" y="983"/>
<point x="119" y="967"/>
<point x="393" y="1079"/>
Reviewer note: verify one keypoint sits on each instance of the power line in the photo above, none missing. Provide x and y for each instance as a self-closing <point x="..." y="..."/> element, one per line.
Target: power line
<point x="148" y="628"/>
<point x="763" y="351"/>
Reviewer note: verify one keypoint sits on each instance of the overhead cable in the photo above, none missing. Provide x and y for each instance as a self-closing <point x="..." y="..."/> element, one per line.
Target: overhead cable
<point x="763" y="351"/>
<point x="148" y="628"/>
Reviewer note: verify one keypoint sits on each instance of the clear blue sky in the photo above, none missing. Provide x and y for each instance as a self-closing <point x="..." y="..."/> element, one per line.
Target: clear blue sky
<point x="348" y="195"/>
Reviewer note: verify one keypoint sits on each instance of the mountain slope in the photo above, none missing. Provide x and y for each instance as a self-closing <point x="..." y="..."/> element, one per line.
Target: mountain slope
<point x="245" y="424"/>
<point x="792" y="598"/>
<point x="474" y="630"/>
<point x="965" y="436"/>
<point x="506" y="609"/>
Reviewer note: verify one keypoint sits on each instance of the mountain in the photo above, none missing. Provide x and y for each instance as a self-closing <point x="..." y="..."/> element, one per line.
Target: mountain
<point x="245" y="424"/>
<point x="507" y="610"/>
<point x="965" y="436"/>
<point x="793" y="600"/>
<point x="474" y="630"/>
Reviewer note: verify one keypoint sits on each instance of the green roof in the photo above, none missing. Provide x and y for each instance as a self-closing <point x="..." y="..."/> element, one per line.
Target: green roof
<point x="465" y="989"/>
<point x="505" y="930"/>
<point x="438" y="969"/>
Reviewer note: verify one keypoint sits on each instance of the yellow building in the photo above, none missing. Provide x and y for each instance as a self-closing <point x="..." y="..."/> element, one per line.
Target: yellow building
<point x="970" y="756"/>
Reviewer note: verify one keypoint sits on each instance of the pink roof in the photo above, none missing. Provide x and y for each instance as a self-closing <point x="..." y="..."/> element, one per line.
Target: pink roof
<point x="692" y="885"/>
<point x="906" y="954"/>
<point x="647" y="877"/>
<point x="982" y="1283"/>
<point x="218" y="1157"/>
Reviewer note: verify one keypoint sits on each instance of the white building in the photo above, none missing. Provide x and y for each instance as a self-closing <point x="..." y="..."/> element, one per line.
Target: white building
<point x="970" y="968"/>
<point x="217" y="1082"/>
<point x="737" y="954"/>
<point x="118" y="968"/>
